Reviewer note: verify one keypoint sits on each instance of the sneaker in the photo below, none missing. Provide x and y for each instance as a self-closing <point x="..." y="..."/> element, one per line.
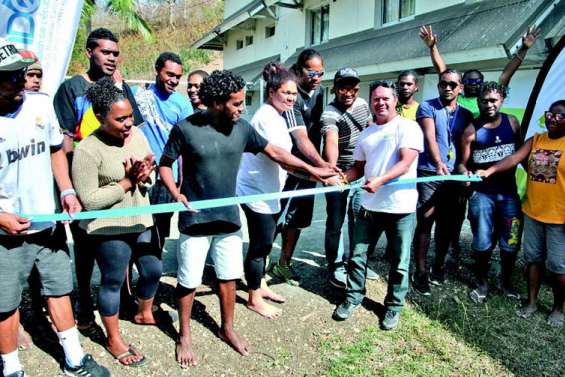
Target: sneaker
<point x="391" y="320"/>
<point x="17" y="374"/>
<point x="421" y="284"/>
<point x="285" y="273"/>
<point x="344" y="311"/>
<point x="88" y="368"/>
<point x="437" y="276"/>
<point x="372" y="275"/>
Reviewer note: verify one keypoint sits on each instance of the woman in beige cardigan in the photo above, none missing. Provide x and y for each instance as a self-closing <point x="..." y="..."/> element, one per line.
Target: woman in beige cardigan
<point x="113" y="168"/>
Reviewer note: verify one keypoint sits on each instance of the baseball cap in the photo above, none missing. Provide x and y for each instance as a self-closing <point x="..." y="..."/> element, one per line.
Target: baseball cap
<point x="36" y="65"/>
<point x="348" y="74"/>
<point x="11" y="59"/>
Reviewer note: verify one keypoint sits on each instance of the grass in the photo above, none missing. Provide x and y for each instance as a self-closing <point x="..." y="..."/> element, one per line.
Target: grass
<point x="447" y="335"/>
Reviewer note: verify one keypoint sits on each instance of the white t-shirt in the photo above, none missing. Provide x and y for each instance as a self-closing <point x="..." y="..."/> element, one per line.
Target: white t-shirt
<point x="26" y="178"/>
<point x="379" y="146"/>
<point x="258" y="174"/>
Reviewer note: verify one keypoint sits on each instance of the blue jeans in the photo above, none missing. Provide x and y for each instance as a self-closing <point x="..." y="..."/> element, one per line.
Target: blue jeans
<point x="399" y="230"/>
<point x="495" y="218"/>
<point x="336" y="208"/>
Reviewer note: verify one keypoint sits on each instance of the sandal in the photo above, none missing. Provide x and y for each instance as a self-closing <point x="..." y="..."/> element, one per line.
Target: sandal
<point x="477" y="297"/>
<point x="556" y="319"/>
<point x="526" y="312"/>
<point x="131" y="351"/>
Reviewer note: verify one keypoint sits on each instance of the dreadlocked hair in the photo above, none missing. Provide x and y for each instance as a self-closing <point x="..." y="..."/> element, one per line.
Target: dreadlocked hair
<point x="491" y="86"/>
<point x="103" y="94"/>
<point x="219" y="86"/>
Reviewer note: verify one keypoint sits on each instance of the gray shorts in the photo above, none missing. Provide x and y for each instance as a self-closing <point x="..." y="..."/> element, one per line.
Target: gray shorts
<point x="545" y="242"/>
<point x="18" y="254"/>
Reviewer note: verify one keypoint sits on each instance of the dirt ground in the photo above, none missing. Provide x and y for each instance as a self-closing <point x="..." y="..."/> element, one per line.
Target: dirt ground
<point x="290" y="345"/>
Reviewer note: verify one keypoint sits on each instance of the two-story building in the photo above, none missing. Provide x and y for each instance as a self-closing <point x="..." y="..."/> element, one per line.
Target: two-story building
<point x="380" y="38"/>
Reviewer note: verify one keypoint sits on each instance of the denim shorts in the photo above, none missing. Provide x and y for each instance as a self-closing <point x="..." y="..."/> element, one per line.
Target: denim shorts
<point x="495" y="218"/>
<point x="545" y="242"/>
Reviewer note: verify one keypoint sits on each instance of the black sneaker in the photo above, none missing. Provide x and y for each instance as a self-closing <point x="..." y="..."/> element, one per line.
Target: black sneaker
<point x="437" y="276"/>
<point x="421" y="284"/>
<point x="88" y="368"/>
<point x="391" y="320"/>
<point x="344" y="311"/>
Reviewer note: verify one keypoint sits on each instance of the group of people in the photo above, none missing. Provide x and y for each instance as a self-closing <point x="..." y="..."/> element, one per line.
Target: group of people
<point x="113" y="146"/>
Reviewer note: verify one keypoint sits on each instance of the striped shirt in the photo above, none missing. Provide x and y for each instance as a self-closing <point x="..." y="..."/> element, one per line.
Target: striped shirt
<point x="348" y="124"/>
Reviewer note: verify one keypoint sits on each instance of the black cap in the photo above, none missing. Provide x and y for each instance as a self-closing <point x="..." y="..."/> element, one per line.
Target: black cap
<point x="346" y="74"/>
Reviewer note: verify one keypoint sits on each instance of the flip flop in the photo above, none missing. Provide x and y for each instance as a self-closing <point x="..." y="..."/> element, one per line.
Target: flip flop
<point x="131" y="351"/>
<point x="556" y="319"/>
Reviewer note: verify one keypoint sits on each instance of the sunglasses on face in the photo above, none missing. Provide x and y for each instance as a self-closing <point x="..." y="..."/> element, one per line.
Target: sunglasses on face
<point x="554" y="116"/>
<point x="13" y="76"/>
<point x="451" y="84"/>
<point x="345" y="90"/>
<point x="190" y="86"/>
<point x="314" y="74"/>
<point x="473" y="81"/>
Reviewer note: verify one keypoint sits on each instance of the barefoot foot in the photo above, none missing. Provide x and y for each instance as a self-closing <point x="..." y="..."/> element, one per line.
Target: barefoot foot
<point x="237" y="342"/>
<point x="183" y="350"/>
<point x="259" y="306"/>
<point x="267" y="293"/>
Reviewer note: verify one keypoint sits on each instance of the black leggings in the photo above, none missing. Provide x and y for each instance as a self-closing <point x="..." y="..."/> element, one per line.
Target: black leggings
<point x="113" y="254"/>
<point x="261" y="234"/>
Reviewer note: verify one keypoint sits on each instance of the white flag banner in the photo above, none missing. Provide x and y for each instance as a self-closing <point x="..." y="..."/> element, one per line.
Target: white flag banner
<point x="547" y="89"/>
<point x="46" y="27"/>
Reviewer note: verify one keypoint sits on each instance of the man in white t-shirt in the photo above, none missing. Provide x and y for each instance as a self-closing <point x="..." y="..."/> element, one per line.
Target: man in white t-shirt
<point x="31" y="155"/>
<point x="386" y="151"/>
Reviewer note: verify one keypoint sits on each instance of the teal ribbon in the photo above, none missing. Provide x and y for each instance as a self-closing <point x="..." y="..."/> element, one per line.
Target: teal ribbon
<point x="224" y="202"/>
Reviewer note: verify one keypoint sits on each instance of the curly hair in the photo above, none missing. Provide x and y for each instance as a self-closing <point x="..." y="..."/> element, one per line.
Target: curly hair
<point x="219" y="86"/>
<point x="103" y="94"/>
<point x="491" y="86"/>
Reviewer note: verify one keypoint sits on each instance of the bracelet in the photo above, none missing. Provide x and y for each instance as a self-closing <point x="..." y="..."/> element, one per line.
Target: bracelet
<point x="67" y="192"/>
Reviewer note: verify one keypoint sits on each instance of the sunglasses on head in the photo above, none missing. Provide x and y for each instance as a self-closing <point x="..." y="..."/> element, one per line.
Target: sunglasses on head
<point x="554" y="116"/>
<point x="13" y="76"/>
<point x="473" y="81"/>
<point x="312" y="74"/>
<point x="451" y="84"/>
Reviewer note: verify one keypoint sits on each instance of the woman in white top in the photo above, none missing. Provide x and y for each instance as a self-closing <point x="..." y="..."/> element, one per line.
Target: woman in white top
<point x="258" y="174"/>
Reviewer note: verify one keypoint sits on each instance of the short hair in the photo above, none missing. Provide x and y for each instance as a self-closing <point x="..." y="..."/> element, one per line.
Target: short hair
<point x="452" y="71"/>
<point x="165" y="57"/>
<point x="491" y="86"/>
<point x="275" y="75"/>
<point x="560" y="102"/>
<point x="474" y="71"/>
<point x="102" y="94"/>
<point x="198" y="72"/>
<point x="303" y="58"/>
<point x="100" y="33"/>
<point x="383" y="84"/>
<point x="219" y="86"/>
<point x="408" y="73"/>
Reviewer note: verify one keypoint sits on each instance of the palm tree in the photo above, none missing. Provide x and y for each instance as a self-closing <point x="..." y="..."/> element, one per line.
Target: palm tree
<point x="126" y="10"/>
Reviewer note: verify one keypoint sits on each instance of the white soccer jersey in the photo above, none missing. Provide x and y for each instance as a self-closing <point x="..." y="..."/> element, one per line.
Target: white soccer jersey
<point x="26" y="178"/>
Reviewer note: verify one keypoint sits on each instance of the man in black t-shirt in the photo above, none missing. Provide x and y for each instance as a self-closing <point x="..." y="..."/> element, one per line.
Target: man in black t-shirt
<point x="77" y="121"/>
<point x="211" y="144"/>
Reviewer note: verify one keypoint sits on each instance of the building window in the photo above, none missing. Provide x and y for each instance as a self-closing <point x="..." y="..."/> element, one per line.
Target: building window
<point x="320" y="25"/>
<point x="394" y="10"/>
<point x="248" y="99"/>
<point x="248" y="40"/>
<point x="239" y="44"/>
<point x="269" y="31"/>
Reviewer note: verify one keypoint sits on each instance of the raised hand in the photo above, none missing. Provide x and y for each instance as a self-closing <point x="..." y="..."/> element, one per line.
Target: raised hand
<point x="427" y="35"/>
<point x="530" y="37"/>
